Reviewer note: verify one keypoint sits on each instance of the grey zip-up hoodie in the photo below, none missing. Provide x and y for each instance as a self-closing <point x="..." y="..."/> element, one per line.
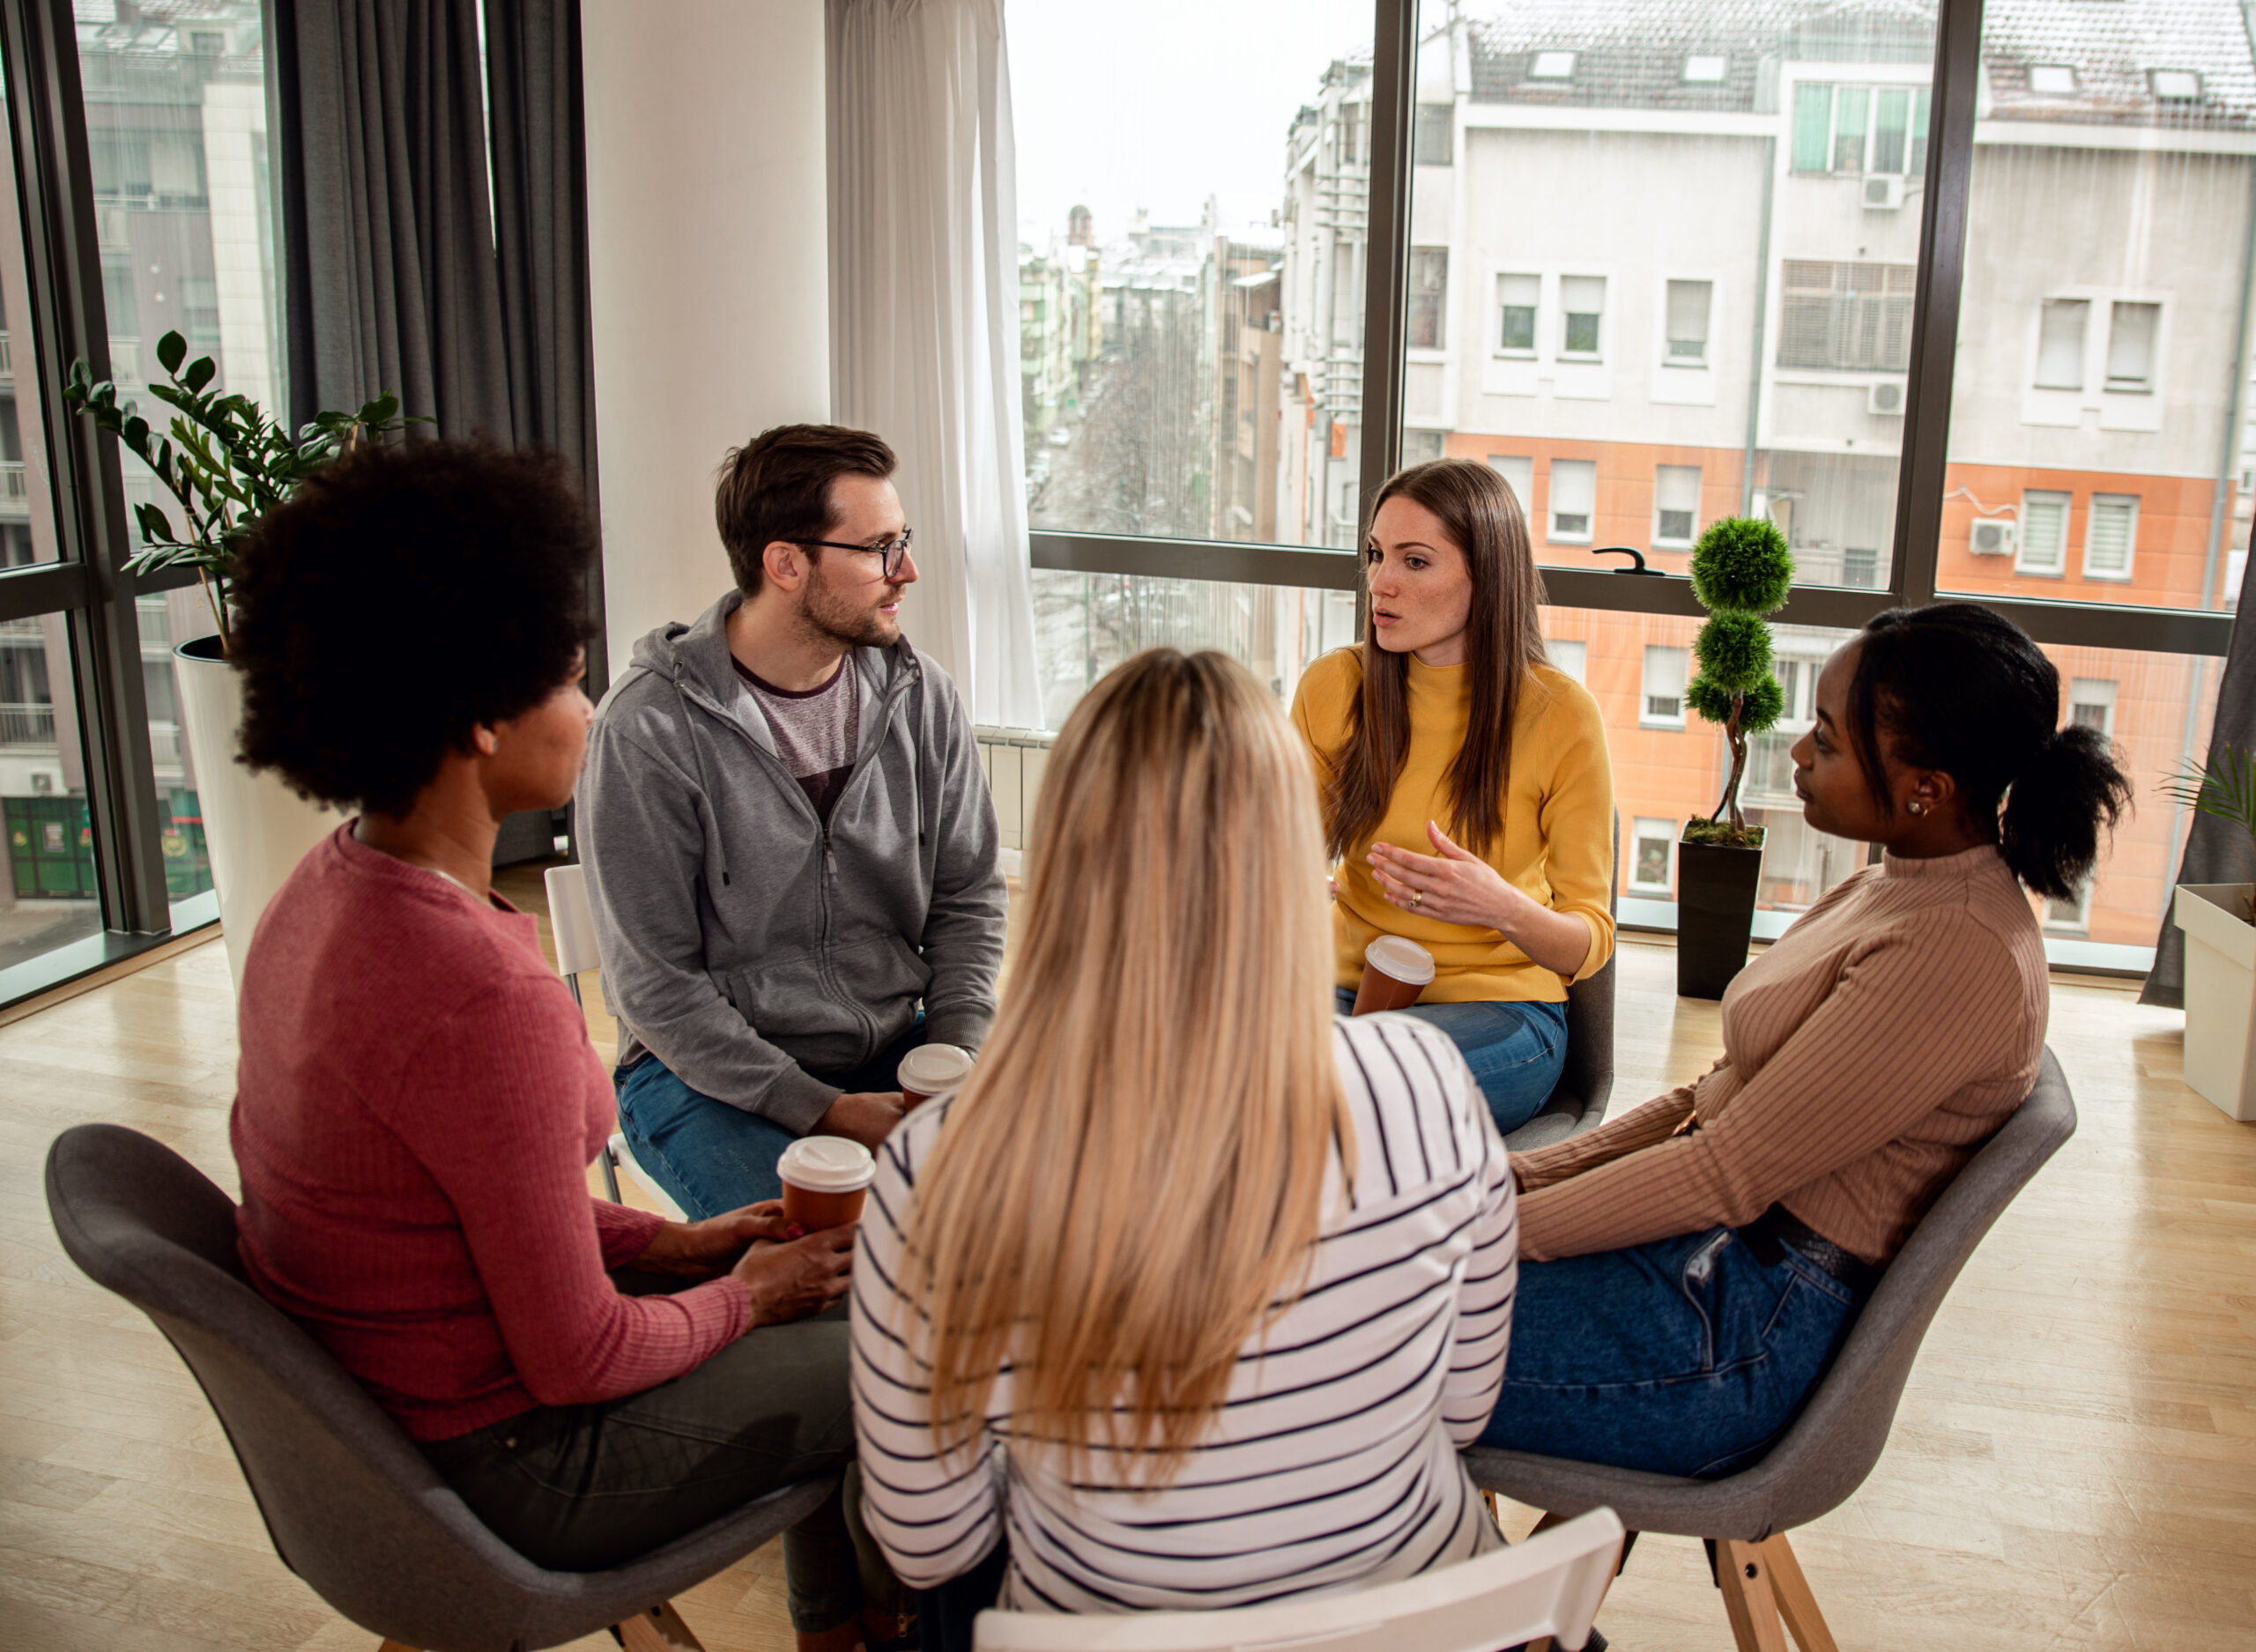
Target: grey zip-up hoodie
<point x="744" y="943"/>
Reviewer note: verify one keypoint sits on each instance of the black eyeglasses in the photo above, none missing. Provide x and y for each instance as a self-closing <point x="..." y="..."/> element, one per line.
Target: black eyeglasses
<point x="893" y="550"/>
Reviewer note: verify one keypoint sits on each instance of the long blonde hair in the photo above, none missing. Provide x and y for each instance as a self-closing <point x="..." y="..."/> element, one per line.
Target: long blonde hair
<point x="1131" y="1183"/>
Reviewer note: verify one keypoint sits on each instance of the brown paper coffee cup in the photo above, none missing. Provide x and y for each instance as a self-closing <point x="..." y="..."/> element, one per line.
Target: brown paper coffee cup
<point x="931" y="1070"/>
<point x="1395" y="972"/>
<point x="826" y="1178"/>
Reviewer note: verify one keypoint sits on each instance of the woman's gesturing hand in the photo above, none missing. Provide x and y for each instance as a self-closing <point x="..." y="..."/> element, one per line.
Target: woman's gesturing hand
<point x="706" y="1250"/>
<point x="805" y="1276"/>
<point x="1455" y="886"/>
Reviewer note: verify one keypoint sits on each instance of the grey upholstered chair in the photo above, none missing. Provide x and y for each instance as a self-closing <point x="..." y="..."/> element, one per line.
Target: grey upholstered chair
<point x="1577" y="1101"/>
<point x="1824" y="1456"/>
<point x="351" y="1506"/>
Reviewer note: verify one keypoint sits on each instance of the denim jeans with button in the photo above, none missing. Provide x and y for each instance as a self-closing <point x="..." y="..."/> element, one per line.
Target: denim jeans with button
<point x="712" y="1157"/>
<point x="1683" y="1356"/>
<point x="1516" y="1050"/>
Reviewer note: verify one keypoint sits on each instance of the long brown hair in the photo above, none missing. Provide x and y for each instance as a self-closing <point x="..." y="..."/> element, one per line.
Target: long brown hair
<point x="1131" y="1180"/>
<point x="1483" y="519"/>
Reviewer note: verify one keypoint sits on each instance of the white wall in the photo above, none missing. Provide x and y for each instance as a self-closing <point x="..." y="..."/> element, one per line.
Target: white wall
<point x="708" y="219"/>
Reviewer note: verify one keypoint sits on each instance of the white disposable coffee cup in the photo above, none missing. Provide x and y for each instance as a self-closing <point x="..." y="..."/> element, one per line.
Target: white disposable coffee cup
<point x="931" y="1070"/>
<point x="825" y="1180"/>
<point x="1395" y="972"/>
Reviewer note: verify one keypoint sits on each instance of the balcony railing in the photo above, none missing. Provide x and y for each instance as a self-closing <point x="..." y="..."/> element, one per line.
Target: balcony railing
<point x="25" y="724"/>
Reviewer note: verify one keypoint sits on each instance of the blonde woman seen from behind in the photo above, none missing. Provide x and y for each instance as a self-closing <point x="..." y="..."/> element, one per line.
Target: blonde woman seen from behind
<point x="1188" y="1298"/>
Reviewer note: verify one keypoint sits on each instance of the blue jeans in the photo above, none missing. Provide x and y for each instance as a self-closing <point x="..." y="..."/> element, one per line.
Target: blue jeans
<point x="712" y="1157"/>
<point x="1516" y="1050"/>
<point x="1683" y="1356"/>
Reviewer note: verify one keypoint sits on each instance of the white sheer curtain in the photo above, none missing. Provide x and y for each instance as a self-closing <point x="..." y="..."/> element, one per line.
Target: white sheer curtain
<point x="924" y="319"/>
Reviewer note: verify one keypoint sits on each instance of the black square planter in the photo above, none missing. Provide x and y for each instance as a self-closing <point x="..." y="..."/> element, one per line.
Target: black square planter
<point x="1715" y="914"/>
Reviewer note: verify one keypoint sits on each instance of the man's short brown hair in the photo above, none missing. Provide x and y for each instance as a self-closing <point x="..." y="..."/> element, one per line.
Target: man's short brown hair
<point x="777" y="486"/>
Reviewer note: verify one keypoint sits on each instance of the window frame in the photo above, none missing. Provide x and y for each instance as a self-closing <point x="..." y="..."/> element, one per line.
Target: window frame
<point x="2122" y="575"/>
<point x="1955" y="81"/>
<point x="1551" y="532"/>
<point x="1634" y="884"/>
<point x="1647" y="717"/>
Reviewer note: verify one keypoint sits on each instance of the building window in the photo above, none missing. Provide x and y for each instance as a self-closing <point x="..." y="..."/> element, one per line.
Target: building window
<point x="1582" y="300"/>
<point x="1860" y="567"/>
<point x="1574" y="498"/>
<point x="1702" y="69"/>
<point x="2110" y="532"/>
<point x="1570" y="654"/>
<point x="2070" y="917"/>
<point x="2091" y="704"/>
<point x="2053" y="81"/>
<point x="1860" y="129"/>
<point x="2043" y="534"/>
<point x="1519" y="471"/>
<point x="1652" y="855"/>
<point x="2175" y="85"/>
<point x="1676" y="504"/>
<point x="1420" y="446"/>
<point x="1552" y="66"/>
<point x="1688" y="303"/>
<point x="1429" y="298"/>
<point x="1433" y="138"/>
<point x="1516" y="303"/>
<point x="1846" y="317"/>
<point x="1663" y="705"/>
<point x="2060" y="326"/>
<point x="1355" y="123"/>
<point x="2131" y="329"/>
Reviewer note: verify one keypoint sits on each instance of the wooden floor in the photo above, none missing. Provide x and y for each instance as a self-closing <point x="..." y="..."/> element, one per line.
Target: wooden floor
<point x="2073" y="1465"/>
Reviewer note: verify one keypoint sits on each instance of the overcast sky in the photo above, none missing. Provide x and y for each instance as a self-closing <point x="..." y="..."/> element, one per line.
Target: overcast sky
<point x="1121" y="104"/>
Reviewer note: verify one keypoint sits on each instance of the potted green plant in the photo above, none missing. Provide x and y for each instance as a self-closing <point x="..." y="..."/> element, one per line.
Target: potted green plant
<point x="1741" y="570"/>
<point x="226" y="464"/>
<point x="2220" y="924"/>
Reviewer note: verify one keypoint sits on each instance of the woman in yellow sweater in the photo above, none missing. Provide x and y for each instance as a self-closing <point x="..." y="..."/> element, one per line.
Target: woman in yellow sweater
<point x="1465" y="786"/>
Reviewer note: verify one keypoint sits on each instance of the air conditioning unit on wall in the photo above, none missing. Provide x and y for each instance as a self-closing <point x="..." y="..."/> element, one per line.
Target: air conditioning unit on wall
<point x="1993" y="537"/>
<point x="1885" y="397"/>
<point x="1883" y="192"/>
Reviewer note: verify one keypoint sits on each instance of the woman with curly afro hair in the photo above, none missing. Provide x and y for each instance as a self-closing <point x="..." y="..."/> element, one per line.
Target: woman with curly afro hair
<point x="418" y="1101"/>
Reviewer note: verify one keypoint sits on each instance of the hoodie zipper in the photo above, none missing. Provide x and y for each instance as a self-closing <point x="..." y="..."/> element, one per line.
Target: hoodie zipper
<point x="888" y="703"/>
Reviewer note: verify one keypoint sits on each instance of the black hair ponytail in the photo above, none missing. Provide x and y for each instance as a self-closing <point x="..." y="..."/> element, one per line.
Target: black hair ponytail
<point x="1960" y="688"/>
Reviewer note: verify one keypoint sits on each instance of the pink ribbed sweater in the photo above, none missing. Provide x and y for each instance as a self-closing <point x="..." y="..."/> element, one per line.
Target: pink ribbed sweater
<point x="1866" y="1055"/>
<point x="415" y="1111"/>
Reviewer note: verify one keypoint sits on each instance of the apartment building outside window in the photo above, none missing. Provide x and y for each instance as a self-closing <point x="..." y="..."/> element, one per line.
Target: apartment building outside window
<point x="2111" y="533"/>
<point x="1570" y="654"/>
<point x="1846" y="317"/>
<point x="2061" y="325"/>
<point x="1582" y="306"/>
<point x="2043" y="534"/>
<point x="1429" y="318"/>
<point x="1860" y="128"/>
<point x="1574" y="498"/>
<point x="1652" y="856"/>
<point x="2131" y="331"/>
<point x="2091" y="704"/>
<point x="1518" y="297"/>
<point x="1688" y="305"/>
<point x="1519" y="471"/>
<point x="1676" y="504"/>
<point x="1667" y="671"/>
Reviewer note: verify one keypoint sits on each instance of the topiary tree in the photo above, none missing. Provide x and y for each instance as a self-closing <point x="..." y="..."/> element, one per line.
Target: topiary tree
<point x="1741" y="570"/>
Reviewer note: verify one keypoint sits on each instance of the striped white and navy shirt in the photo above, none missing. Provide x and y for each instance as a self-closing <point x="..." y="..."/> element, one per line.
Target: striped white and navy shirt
<point x="1333" y="1463"/>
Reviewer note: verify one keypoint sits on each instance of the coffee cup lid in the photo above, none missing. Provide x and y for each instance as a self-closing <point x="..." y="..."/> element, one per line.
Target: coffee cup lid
<point x="930" y="1068"/>
<point x="826" y="1163"/>
<point x="1405" y="961"/>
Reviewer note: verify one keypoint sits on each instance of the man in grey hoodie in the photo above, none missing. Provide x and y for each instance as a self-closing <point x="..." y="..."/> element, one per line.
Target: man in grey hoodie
<point x="789" y="841"/>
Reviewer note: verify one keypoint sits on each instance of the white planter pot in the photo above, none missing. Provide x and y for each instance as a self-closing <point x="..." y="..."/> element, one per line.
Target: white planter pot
<point x="2220" y="994"/>
<point x="255" y="829"/>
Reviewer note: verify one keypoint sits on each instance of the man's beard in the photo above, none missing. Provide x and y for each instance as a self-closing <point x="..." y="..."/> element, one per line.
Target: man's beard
<point x="845" y="620"/>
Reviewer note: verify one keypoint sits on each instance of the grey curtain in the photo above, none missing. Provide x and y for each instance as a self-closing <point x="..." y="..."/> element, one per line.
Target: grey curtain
<point x="2216" y="851"/>
<point x="393" y="282"/>
<point x="540" y="225"/>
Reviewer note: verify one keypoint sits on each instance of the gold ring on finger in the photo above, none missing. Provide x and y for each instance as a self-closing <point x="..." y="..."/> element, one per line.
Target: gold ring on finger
<point x="1418" y="898"/>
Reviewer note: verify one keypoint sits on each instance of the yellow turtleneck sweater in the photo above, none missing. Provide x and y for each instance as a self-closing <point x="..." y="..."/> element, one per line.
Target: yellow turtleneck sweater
<point x="1558" y="839"/>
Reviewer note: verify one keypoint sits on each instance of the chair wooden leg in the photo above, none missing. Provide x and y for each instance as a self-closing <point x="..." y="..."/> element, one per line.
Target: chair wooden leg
<point x="659" y="1629"/>
<point x="1796" y="1603"/>
<point x="1743" y="1573"/>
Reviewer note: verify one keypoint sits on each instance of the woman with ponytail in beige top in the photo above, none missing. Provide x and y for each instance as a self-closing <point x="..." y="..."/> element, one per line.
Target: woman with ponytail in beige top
<point x="1689" y="1269"/>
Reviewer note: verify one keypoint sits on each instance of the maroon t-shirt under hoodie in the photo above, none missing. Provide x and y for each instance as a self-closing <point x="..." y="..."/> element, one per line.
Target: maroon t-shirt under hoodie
<point x="415" y="1111"/>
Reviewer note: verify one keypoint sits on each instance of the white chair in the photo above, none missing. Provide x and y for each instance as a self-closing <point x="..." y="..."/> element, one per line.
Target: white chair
<point x="1548" y="1586"/>
<point x="574" y="927"/>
